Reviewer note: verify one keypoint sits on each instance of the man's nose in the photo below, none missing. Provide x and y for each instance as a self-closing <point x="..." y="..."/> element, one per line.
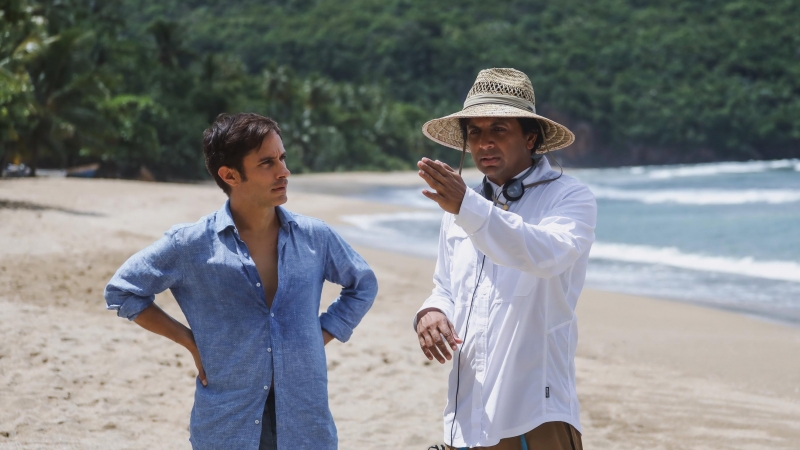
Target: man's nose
<point x="485" y="142"/>
<point x="284" y="171"/>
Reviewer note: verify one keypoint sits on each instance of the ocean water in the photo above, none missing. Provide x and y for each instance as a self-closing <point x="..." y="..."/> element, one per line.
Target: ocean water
<point x="720" y="234"/>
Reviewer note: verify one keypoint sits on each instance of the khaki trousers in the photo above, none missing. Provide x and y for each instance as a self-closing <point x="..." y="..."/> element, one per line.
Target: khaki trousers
<point x="547" y="436"/>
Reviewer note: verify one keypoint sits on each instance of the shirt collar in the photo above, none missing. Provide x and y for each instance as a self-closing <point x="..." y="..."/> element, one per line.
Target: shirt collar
<point x="224" y="218"/>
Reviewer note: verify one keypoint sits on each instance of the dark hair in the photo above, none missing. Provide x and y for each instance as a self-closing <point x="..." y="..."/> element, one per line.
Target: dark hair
<point x="232" y="137"/>
<point x="528" y="124"/>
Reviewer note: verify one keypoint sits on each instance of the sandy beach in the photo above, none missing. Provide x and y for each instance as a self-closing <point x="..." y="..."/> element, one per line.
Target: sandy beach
<point x="652" y="374"/>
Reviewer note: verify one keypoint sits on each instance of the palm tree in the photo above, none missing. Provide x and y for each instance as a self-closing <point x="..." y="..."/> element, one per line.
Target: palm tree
<point x="65" y="98"/>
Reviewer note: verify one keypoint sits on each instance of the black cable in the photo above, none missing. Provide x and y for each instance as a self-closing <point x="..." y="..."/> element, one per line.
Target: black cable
<point x="527" y="186"/>
<point x="463" y="343"/>
<point x="474" y="293"/>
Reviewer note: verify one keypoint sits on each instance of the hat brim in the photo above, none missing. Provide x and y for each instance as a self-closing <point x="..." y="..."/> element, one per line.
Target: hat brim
<point x="447" y="131"/>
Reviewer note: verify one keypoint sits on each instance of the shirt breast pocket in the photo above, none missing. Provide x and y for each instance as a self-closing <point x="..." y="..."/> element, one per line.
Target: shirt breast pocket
<point x="514" y="287"/>
<point x="525" y="284"/>
<point x="558" y="312"/>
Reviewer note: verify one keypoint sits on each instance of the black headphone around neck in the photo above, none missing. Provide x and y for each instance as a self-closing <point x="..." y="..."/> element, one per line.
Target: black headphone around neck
<point x="514" y="188"/>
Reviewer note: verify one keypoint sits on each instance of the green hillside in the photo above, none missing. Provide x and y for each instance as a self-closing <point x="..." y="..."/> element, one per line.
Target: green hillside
<point x="351" y="81"/>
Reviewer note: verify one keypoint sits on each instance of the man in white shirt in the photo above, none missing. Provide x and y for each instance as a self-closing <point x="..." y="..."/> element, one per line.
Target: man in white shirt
<point x="511" y="265"/>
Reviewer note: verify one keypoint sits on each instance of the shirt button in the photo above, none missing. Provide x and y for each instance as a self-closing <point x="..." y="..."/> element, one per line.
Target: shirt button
<point x="256" y="422"/>
<point x="266" y="388"/>
<point x="269" y="349"/>
<point x="258" y="284"/>
<point x="245" y="255"/>
<point x="272" y="314"/>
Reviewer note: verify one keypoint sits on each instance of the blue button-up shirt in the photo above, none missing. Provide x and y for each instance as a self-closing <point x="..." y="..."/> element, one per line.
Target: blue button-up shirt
<point x="243" y="344"/>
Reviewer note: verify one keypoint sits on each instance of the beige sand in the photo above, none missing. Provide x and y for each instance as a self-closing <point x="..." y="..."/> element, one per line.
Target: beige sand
<point x="651" y="374"/>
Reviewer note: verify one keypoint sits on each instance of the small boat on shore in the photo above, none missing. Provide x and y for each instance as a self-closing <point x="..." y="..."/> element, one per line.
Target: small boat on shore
<point x="86" y="171"/>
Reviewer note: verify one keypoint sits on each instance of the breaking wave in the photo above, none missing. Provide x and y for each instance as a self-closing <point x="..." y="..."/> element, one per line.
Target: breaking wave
<point x="698" y="196"/>
<point x="670" y="256"/>
<point x="709" y="169"/>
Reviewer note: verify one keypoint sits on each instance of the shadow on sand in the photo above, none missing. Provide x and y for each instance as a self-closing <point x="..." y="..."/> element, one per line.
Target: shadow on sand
<point x="11" y="204"/>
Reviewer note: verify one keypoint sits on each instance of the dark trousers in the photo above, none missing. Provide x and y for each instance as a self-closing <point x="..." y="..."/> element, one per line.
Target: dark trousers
<point x="547" y="436"/>
<point x="269" y="434"/>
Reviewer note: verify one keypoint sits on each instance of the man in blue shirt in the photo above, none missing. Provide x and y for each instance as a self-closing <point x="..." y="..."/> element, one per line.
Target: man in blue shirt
<point x="249" y="278"/>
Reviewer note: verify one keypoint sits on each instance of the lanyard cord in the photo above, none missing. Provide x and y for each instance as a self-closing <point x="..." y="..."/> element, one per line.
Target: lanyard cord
<point x="458" y="364"/>
<point x="496" y="202"/>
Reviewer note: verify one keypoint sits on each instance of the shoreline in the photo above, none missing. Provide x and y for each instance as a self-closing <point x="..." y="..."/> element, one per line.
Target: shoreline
<point x="366" y="182"/>
<point x="651" y="373"/>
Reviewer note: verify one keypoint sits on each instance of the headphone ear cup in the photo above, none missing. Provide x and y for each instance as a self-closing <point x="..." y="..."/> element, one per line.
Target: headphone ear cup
<point x="513" y="190"/>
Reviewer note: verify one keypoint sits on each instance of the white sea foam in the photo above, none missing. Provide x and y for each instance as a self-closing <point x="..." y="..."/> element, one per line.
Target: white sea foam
<point x="369" y="222"/>
<point x="698" y="196"/>
<point x="702" y="170"/>
<point x="404" y="196"/>
<point x="669" y="256"/>
<point x="373" y="230"/>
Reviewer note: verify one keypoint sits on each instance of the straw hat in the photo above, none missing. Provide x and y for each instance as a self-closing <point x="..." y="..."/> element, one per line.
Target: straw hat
<point x="498" y="93"/>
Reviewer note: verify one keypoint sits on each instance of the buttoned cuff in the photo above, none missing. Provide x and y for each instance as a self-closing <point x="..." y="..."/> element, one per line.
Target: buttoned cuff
<point x="474" y="212"/>
<point x="335" y="326"/>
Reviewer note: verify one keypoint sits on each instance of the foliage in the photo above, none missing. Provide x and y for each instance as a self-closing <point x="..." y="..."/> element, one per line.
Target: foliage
<point x="134" y="83"/>
<point x="720" y="75"/>
<point x="340" y="126"/>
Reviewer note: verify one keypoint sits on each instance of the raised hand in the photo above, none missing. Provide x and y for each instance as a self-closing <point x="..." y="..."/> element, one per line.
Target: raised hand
<point x="448" y="184"/>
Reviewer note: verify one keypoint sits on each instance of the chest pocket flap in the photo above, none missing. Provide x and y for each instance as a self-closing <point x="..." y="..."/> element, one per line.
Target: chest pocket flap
<point x="558" y="310"/>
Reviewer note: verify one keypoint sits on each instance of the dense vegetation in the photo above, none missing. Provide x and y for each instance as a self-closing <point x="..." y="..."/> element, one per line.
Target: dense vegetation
<point x="134" y="83"/>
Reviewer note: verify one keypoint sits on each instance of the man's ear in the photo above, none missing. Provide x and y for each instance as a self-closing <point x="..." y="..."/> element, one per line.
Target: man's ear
<point x="531" y="141"/>
<point x="229" y="175"/>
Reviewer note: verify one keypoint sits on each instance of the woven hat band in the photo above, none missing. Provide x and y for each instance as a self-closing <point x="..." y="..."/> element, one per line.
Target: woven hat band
<point x="494" y="99"/>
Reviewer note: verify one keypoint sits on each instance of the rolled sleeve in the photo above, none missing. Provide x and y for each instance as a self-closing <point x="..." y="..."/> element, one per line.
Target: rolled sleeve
<point x="345" y="267"/>
<point x="335" y="326"/>
<point x="149" y="272"/>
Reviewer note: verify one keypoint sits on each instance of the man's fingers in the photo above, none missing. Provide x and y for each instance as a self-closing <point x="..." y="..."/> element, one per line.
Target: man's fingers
<point x="447" y="166"/>
<point x="449" y="334"/>
<point x="456" y="339"/>
<point x="434" y="170"/>
<point x="441" y="344"/>
<point x="429" y="347"/>
<point x="431" y="180"/>
<point x="435" y="352"/>
<point x="433" y="196"/>
<point x="427" y="339"/>
<point x="201" y="373"/>
<point x="437" y="167"/>
<point x="424" y="348"/>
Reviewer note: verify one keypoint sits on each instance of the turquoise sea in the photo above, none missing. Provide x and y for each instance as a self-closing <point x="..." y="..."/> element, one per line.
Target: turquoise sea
<point x="720" y="234"/>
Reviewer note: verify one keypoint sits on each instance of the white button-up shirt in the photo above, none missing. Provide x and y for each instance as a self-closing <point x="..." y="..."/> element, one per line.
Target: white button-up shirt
<point x="517" y="363"/>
